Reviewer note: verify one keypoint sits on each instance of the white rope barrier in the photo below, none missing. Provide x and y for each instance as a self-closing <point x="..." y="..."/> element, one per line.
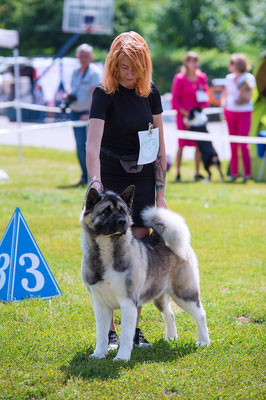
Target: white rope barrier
<point x="30" y="106"/>
<point x="38" y="107"/>
<point x="207" y="137"/>
<point x="6" y="104"/>
<point x="182" y="134"/>
<point x="207" y="111"/>
<point x="34" y="127"/>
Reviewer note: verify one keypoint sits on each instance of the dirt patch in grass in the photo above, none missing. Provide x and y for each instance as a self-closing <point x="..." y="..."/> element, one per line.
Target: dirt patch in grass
<point x="243" y="320"/>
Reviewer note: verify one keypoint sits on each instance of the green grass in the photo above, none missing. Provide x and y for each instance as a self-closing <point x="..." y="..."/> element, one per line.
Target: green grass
<point x="44" y="344"/>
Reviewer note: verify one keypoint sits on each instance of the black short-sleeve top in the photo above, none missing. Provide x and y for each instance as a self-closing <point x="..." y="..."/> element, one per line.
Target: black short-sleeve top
<point x="125" y="114"/>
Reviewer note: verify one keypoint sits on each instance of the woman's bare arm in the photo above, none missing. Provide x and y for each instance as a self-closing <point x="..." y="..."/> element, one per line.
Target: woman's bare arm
<point x="93" y="147"/>
<point x="160" y="164"/>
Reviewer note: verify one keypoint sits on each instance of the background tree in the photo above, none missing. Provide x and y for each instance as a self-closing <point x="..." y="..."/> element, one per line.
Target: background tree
<point x="213" y="28"/>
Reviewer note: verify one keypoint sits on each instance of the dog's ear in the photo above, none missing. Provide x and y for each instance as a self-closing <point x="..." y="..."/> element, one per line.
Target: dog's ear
<point x="92" y="197"/>
<point x="128" y="195"/>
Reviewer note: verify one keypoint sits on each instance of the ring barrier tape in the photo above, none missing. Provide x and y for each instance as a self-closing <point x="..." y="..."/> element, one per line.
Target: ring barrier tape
<point x="44" y="126"/>
<point x="38" y="107"/>
<point x="7" y="104"/>
<point x="181" y="134"/>
<point x="29" y="106"/>
<point x="207" y="111"/>
<point x="208" y="137"/>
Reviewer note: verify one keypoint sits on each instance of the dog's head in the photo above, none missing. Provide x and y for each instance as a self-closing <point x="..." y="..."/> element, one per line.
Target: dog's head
<point x="107" y="213"/>
<point x="194" y="112"/>
<point x="197" y="117"/>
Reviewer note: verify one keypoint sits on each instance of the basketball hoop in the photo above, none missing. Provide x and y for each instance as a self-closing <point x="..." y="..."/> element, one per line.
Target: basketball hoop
<point x="88" y="16"/>
<point x="88" y="29"/>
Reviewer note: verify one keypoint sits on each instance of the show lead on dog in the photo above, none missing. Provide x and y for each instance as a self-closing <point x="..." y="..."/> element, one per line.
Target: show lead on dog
<point x="125" y="139"/>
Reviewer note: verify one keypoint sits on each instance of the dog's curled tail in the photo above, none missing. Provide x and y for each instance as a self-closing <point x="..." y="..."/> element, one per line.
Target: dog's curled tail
<point x="170" y="226"/>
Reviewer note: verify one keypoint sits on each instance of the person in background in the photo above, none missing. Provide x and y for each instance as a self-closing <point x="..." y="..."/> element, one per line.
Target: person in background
<point x="236" y="101"/>
<point x="189" y="90"/>
<point x="125" y="104"/>
<point x="84" y="81"/>
<point x="38" y="98"/>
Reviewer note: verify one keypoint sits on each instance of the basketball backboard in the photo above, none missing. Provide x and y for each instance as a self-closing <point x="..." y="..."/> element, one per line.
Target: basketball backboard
<point x="88" y="16"/>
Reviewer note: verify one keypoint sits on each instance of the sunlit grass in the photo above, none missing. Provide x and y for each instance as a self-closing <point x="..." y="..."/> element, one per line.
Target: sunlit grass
<point x="44" y="345"/>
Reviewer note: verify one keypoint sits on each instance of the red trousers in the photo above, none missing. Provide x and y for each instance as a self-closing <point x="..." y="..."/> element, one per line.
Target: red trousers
<point x="239" y="124"/>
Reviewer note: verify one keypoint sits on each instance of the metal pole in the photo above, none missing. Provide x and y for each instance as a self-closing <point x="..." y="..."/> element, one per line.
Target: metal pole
<point x="17" y="98"/>
<point x="60" y="53"/>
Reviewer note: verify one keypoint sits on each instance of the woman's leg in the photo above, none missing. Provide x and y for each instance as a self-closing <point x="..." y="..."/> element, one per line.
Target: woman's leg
<point x="232" y="123"/>
<point x="81" y="139"/>
<point x="179" y="159"/>
<point x="244" y="128"/>
<point x="180" y="126"/>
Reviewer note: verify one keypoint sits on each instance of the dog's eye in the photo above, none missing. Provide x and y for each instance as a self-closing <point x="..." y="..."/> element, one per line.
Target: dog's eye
<point x="106" y="211"/>
<point x="121" y="210"/>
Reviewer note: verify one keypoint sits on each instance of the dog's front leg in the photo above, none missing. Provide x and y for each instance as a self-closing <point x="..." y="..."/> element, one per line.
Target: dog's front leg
<point x="128" y="326"/>
<point x="103" y="315"/>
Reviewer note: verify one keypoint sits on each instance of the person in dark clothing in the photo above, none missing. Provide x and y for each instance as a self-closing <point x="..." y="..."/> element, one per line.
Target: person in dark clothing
<point x="125" y="139"/>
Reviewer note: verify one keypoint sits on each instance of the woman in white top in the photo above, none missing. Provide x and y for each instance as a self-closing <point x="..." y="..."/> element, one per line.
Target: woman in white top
<point x="236" y="100"/>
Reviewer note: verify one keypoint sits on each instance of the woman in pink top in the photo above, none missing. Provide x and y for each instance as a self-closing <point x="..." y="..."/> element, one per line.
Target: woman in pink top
<point x="189" y="90"/>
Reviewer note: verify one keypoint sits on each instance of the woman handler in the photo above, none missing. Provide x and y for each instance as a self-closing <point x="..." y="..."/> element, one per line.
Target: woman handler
<point x="189" y="90"/>
<point x="126" y="104"/>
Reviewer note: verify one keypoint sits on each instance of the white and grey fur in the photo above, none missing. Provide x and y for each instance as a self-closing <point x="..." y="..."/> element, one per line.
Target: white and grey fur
<point x="197" y="121"/>
<point x="123" y="272"/>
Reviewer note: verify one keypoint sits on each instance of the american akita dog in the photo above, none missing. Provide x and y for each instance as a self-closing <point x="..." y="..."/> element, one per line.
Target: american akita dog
<point x="123" y="272"/>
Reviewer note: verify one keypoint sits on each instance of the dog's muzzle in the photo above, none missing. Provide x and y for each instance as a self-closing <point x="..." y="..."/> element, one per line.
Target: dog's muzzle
<point x="121" y="225"/>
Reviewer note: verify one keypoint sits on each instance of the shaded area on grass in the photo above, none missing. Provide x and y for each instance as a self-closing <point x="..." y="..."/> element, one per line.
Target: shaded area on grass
<point x="161" y="351"/>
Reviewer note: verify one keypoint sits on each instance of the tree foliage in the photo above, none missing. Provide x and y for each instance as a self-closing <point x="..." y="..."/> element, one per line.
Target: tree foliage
<point x="223" y="24"/>
<point x="171" y="27"/>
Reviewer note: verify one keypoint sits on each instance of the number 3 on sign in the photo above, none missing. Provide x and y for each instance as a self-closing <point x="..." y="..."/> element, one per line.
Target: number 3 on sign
<point x="3" y="268"/>
<point x="32" y="270"/>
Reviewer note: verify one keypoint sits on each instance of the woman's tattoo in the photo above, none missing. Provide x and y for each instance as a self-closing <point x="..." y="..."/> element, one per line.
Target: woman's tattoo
<point x="160" y="173"/>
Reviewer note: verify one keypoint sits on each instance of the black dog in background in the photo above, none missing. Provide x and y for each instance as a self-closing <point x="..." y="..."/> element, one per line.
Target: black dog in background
<point x="197" y="121"/>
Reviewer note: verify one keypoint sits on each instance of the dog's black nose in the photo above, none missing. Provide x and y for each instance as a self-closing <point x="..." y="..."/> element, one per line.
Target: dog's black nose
<point x="121" y="222"/>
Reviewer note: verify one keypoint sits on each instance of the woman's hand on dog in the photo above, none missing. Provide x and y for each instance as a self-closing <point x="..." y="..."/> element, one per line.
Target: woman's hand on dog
<point x="96" y="184"/>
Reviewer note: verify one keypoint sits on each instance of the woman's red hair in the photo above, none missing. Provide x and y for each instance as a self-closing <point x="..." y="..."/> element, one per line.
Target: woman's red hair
<point x="132" y="45"/>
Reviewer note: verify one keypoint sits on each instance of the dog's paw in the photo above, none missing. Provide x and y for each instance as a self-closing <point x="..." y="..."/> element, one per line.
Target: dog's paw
<point x="171" y="337"/>
<point x="97" y="355"/>
<point x="203" y="343"/>
<point x="121" y="358"/>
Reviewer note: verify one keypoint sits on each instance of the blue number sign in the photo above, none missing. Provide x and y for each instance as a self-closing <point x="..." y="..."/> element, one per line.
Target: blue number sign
<point x="23" y="269"/>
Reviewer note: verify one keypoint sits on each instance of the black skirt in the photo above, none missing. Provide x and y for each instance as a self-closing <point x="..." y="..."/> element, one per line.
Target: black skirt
<point x="115" y="178"/>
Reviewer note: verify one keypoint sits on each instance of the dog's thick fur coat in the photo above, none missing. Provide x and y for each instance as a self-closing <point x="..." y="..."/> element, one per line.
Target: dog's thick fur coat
<point x="123" y="272"/>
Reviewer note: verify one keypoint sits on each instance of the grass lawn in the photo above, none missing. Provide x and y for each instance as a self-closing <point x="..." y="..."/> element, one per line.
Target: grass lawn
<point x="44" y="344"/>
